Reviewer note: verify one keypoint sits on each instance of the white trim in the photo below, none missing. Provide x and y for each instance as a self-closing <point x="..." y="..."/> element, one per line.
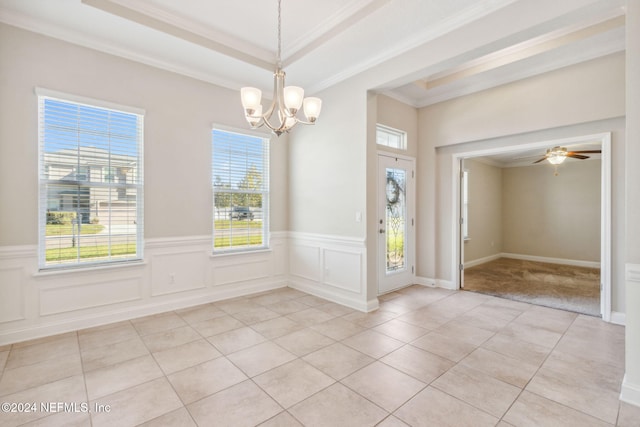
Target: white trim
<point x="22" y="251"/>
<point x="632" y="272"/>
<point x="549" y="260"/>
<point x="395" y="155"/>
<point x="328" y="238"/>
<point x="89" y="268"/>
<point x="333" y="296"/>
<point x="85" y="100"/>
<point x="605" y="205"/>
<point x="425" y="281"/>
<point x="446" y="284"/>
<point x="618" y="318"/>
<point x="630" y="393"/>
<point x="479" y="261"/>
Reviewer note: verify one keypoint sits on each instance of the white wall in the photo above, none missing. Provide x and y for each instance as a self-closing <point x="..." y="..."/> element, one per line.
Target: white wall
<point x="395" y="114"/>
<point x="631" y="383"/>
<point x="327" y="190"/>
<point x="177" y="200"/>
<point x="485" y="220"/>
<point x="553" y="216"/>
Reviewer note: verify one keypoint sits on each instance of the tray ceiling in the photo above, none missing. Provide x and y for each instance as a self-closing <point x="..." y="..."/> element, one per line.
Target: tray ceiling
<point x="233" y="43"/>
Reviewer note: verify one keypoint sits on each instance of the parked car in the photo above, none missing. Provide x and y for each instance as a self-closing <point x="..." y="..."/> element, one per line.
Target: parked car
<point x="241" y="213"/>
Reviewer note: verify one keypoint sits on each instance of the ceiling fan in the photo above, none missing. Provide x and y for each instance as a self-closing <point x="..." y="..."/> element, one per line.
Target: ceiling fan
<point x="557" y="155"/>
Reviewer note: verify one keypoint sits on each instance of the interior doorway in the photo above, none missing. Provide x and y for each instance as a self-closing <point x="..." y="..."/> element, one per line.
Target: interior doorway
<point x="527" y="262"/>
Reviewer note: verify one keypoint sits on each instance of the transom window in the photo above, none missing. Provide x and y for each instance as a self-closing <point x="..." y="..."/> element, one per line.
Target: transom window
<point x="240" y="182"/>
<point x="392" y="138"/>
<point x="90" y="175"/>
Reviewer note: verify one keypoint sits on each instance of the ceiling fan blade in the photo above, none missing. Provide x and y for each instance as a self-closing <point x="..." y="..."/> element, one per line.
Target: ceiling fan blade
<point x="541" y="160"/>
<point x="585" y="151"/>
<point x="577" y="156"/>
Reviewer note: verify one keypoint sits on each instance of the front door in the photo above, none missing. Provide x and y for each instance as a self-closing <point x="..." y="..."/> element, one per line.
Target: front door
<point x="396" y="224"/>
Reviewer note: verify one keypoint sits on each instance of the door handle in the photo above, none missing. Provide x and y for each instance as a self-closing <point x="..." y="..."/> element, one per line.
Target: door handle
<point x="381" y="231"/>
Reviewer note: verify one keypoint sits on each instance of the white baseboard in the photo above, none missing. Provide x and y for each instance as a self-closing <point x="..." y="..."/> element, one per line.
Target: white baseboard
<point x="329" y="294"/>
<point x="574" y="262"/>
<point x="434" y="283"/>
<point x="630" y="393"/>
<point x="618" y="318"/>
<point x="446" y="284"/>
<point x="425" y="281"/>
<point x="473" y="263"/>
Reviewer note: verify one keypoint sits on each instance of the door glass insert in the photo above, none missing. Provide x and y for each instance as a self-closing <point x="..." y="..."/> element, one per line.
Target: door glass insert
<point x="396" y="213"/>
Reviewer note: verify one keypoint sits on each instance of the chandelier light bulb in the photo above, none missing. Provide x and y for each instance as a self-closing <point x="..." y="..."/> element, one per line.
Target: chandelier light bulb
<point x="254" y="119"/>
<point x="293" y="96"/>
<point x="251" y="98"/>
<point x="312" y="107"/>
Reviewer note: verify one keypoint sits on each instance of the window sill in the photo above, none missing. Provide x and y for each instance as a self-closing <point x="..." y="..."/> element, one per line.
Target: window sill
<point x="57" y="271"/>
<point x="240" y="252"/>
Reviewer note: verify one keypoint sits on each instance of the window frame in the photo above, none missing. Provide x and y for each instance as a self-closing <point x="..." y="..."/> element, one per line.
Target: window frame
<point x="44" y="180"/>
<point x="266" y="191"/>
<point x="380" y="128"/>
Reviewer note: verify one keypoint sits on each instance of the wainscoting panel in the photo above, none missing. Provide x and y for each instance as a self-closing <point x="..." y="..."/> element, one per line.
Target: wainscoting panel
<point x="343" y="269"/>
<point x="242" y="270"/>
<point x="330" y="267"/>
<point x="175" y="273"/>
<point x="11" y="294"/>
<point x="304" y="260"/>
<point x="64" y="299"/>
<point x="630" y="390"/>
<point x="184" y="271"/>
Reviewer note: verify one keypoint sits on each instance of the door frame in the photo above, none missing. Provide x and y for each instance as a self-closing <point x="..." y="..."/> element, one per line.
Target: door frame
<point x="605" y="207"/>
<point x="412" y="213"/>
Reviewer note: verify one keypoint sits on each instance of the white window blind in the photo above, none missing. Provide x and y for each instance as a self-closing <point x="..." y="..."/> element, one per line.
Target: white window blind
<point x="240" y="182"/>
<point x="91" y="183"/>
<point x="392" y="138"/>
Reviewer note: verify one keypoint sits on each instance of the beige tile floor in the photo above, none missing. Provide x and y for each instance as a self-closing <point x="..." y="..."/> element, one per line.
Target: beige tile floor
<point x="427" y="357"/>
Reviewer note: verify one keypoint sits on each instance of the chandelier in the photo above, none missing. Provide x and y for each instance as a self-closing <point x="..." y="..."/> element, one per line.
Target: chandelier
<point x="286" y="101"/>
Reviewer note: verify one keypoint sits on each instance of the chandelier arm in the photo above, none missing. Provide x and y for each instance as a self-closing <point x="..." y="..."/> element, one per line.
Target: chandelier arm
<point x="272" y="127"/>
<point x="272" y="107"/>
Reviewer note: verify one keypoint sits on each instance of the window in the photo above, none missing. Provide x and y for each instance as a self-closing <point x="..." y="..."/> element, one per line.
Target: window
<point x="391" y="138"/>
<point x="90" y="175"/>
<point x="240" y="181"/>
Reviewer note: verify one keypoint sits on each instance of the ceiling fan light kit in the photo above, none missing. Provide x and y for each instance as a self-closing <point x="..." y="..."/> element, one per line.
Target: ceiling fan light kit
<point x="556" y="155"/>
<point x="287" y="100"/>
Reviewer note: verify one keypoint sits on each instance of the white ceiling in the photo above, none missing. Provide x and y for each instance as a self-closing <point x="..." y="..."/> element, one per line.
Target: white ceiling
<point x="527" y="157"/>
<point x="233" y="43"/>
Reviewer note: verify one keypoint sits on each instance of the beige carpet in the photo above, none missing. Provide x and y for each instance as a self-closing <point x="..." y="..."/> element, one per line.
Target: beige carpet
<point x="552" y="285"/>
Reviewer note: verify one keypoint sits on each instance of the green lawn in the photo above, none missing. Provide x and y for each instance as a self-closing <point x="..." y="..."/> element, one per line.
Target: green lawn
<point x="64" y="254"/>
<point x="222" y="242"/>
<point x="68" y="229"/>
<point x="222" y="224"/>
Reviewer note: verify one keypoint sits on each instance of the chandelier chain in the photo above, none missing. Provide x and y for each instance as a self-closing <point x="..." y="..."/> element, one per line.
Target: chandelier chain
<point x="279" y="59"/>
